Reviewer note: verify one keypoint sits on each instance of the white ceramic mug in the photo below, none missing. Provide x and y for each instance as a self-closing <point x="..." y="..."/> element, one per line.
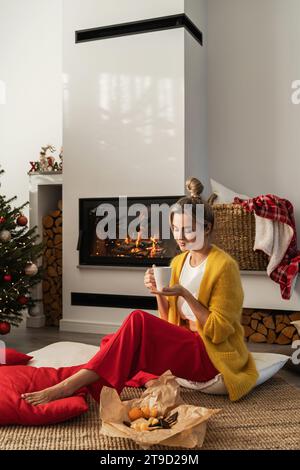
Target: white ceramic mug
<point x="162" y="276"/>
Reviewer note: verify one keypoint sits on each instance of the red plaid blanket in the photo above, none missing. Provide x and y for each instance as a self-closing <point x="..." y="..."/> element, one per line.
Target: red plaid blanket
<point x="274" y="208"/>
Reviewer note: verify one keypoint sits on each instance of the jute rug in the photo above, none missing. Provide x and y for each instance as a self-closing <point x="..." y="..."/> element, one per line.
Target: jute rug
<point x="268" y="418"/>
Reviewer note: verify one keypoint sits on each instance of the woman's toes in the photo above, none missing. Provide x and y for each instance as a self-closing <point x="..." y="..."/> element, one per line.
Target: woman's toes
<point x="31" y="398"/>
<point x="44" y="396"/>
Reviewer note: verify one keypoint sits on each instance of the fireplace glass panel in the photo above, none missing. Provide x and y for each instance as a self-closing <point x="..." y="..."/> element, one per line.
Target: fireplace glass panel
<point x="139" y="248"/>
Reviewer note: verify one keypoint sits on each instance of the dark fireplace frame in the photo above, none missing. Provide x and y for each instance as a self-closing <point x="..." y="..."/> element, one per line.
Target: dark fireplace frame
<point x="85" y="234"/>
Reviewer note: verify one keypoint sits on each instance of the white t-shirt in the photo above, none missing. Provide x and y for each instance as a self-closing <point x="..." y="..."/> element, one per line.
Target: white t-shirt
<point x="190" y="278"/>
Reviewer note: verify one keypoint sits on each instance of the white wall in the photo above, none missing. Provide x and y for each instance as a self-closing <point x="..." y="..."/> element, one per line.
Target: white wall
<point x="124" y="133"/>
<point x="92" y="13"/>
<point x="30" y="70"/>
<point x="196" y="10"/>
<point x="253" y="57"/>
<point x="196" y="143"/>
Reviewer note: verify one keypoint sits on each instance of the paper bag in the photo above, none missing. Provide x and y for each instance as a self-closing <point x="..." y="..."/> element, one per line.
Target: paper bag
<point x="163" y="393"/>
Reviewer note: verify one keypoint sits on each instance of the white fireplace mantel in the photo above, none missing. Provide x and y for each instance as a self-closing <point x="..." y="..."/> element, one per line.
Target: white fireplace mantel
<point x="44" y="192"/>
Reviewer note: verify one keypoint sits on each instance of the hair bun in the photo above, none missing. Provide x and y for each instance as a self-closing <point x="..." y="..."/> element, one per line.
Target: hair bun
<point x="195" y="187"/>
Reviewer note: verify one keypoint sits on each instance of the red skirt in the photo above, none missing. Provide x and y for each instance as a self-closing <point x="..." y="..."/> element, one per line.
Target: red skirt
<point x="143" y="348"/>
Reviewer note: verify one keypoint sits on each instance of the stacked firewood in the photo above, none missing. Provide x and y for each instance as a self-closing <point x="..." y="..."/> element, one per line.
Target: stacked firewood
<point x="52" y="262"/>
<point x="270" y="326"/>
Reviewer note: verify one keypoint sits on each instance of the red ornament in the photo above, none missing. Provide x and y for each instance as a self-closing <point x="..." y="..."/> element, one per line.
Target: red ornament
<point x="7" y="278"/>
<point x="23" y="300"/>
<point x="4" y="328"/>
<point x="22" y="220"/>
<point x="2" y="220"/>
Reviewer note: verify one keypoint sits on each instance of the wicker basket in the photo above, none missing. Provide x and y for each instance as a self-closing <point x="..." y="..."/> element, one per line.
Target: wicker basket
<point x="234" y="232"/>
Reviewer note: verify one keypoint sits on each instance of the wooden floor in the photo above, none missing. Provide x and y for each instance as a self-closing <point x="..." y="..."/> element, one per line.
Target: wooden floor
<point x="30" y="339"/>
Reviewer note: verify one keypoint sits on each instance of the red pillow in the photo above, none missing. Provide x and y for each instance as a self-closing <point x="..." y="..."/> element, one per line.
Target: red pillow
<point x="11" y="357"/>
<point x="15" y="380"/>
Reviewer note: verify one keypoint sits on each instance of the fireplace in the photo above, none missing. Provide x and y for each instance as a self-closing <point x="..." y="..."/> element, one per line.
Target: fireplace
<point x="144" y="245"/>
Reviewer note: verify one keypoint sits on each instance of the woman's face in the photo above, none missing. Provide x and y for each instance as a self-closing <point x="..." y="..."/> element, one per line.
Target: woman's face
<point x="187" y="234"/>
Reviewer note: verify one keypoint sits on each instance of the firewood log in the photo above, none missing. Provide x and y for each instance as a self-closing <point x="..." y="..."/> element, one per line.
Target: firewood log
<point x="282" y="339"/>
<point x="246" y="320"/>
<point x="256" y="316"/>
<point x="257" y="338"/>
<point x="288" y="331"/>
<point x="271" y="337"/>
<point x="280" y="327"/>
<point x="262" y="329"/>
<point x="269" y="322"/>
<point x="48" y="221"/>
<point x="51" y="271"/>
<point x="58" y="222"/>
<point x="248" y="331"/>
<point x="294" y="316"/>
<point x="55" y="214"/>
<point x="50" y="233"/>
<point x="57" y="240"/>
<point x="248" y="311"/>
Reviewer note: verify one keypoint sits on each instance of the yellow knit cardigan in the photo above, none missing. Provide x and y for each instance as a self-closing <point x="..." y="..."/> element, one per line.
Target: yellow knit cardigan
<point x="222" y="294"/>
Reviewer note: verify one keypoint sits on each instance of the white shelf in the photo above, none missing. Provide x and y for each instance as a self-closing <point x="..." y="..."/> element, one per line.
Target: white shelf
<point x="262" y="292"/>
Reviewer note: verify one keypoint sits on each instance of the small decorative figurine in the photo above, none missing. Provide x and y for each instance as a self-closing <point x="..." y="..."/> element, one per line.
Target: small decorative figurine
<point x="47" y="163"/>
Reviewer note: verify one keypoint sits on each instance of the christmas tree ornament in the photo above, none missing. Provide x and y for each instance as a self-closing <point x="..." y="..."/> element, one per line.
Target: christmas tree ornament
<point x="4" y="328"/>
<point x="7" y="278"/>
<point x="5" y="236"/>
<point x="2" y="220"/>
<point x="31" y="269"/>
<point x="23" y="300"/>
<point x="22" y="220"/>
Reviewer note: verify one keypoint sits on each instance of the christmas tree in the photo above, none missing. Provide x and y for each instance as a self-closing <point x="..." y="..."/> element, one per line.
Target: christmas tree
<point x="19" y="251"/>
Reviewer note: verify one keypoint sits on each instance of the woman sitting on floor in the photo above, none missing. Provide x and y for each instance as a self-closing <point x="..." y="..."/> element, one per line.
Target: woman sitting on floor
<point x="198" y="334"/>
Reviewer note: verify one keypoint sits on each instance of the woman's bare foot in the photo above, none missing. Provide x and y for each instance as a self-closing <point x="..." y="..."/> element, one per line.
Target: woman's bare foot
<point x="64" y="389"/>
<point x="48" y="394"/>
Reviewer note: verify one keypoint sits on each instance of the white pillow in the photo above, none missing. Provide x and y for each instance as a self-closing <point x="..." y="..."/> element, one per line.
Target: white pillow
<point x="267" y="364"/>
<point x="62" y="354"/>
<point x="67" y="353"/>
<point x="225" y="195"/>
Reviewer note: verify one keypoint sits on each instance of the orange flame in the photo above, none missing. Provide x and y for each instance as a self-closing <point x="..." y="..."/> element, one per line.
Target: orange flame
<point x="153" y="247"/>
<point x="138" y="240"/>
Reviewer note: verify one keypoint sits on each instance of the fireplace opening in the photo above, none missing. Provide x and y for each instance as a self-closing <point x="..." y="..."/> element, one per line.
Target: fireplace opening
<point x="144" y="245"/>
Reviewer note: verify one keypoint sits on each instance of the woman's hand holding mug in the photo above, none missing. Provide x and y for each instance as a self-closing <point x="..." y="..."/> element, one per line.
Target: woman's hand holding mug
<point x="157" y="279"/>
<point x="149" y="280"/>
